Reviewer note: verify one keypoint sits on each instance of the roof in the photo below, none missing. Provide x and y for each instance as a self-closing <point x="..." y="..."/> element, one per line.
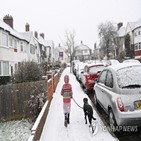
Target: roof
<point x="138" y="24"/>
<point x="121" y="32"/>
<point x="27" y="35"/>
<point x="135" y="25"/>
<point x="46" y="42"/>
<point x="82" y="47"/>
<point x="132" y="25"/>
<point x="12" y="31"/>
<point x="94" y="64"/>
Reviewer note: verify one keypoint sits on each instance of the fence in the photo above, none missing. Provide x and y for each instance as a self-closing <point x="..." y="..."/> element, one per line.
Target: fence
<point x="39" y="123"/>
<point x="14" y="97"/>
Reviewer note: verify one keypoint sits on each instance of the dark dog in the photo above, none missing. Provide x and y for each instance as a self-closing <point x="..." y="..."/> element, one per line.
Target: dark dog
<point x="88" y="111"/>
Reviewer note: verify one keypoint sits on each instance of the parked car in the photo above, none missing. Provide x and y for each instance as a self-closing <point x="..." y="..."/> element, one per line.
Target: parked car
<point x="74" y="64"/>
<point x="79" y="69"/>
<point x="118" y="91"/>
<point x="111" y="62"/>
<point x="131" y="61"/>
<point x="90" y="73"/>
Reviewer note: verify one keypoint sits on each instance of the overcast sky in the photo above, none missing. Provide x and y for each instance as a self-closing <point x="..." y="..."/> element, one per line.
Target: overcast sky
<point x="54" y="17"/>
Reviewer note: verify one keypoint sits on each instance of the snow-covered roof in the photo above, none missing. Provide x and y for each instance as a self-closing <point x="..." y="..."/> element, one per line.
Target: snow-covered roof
<point x="46" y="42"/>
<point x="27" y="35"/>
<point x="121" y="32"/>
<point x="137" y="24"/>
<point x="82" y="47"/>
<point x="12" y="31"/>
<point x="132" y="25"/>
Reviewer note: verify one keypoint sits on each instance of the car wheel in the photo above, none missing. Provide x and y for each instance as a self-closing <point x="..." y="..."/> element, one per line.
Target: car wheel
<point x="112" y="120"/>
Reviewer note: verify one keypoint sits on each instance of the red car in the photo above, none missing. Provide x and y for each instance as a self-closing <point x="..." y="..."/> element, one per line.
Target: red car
<point x="90" y="73"/>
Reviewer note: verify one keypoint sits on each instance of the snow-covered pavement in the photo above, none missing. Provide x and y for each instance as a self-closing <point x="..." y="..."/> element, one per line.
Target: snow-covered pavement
<point x="77" y="130"/>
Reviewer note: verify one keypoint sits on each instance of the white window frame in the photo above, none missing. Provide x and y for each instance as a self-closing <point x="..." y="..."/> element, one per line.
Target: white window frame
<point x="11" y="42"/>
<point x="4" y="39"/>
<point x="0" y="69"/>
<point x="32" y="49"/>
<point x="139" y="46"/>
<point x="5" y="68"/>
<point x="22" y="46"/>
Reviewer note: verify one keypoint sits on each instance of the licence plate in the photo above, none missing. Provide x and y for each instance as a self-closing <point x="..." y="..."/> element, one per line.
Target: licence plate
<point x="137" y="104"/>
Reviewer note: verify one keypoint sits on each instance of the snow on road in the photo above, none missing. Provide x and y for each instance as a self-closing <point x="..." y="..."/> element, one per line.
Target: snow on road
<point x="77" y="130"/>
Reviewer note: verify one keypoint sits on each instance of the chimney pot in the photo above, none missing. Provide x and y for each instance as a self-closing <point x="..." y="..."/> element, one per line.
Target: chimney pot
<point x="42" y="35"/>
<point x="8" y="19"/>
<point x="36" y="34"/>
<point x="119" y="25"/>
<point x="27" y="27"/>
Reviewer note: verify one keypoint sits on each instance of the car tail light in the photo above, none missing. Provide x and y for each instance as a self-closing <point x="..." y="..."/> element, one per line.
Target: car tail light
<point x="120" y="104"/>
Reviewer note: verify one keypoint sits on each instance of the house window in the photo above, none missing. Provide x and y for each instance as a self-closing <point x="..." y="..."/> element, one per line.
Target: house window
<point x="16" y="67"/>
<point x="139" y="32"/>
<point x="135" y="34"/>
<point x="11" y="42"/>
<point x="5" y="68"/>
<point x="4" y="39"/>
<point x="85" y="51"/>
<point x="0" y="68"/>
<point x="32" y="49"/>
<point x="15" y="44"/>
<point x="136" y="46"/>
<point x="22" y="49"/>
<point x="45" y="49"/>
<point x="139" y="46"/>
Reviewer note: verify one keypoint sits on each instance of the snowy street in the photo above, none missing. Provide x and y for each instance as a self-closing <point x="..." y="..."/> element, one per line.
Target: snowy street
<point x="77" y="130"/>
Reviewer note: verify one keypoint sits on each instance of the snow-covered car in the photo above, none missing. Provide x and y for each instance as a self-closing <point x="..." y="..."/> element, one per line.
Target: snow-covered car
<point x="131" y="61"/>
<point x="79" y="69"/>
<point x="74" y="65"/>
<point x="118" y="91"/>
<point x="90" y="73"/>
<point x="111" y="62"/>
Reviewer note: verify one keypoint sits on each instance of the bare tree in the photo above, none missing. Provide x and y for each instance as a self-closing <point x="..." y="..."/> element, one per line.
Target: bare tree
<point x="70" y="43"/>
<point x="107" y="33"/>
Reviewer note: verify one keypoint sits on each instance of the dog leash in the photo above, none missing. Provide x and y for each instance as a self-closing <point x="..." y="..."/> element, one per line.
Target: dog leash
<point x="77" y="103"/>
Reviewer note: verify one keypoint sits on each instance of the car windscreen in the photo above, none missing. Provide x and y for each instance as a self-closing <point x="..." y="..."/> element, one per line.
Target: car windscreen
<point x="96" y="69"/>
<point x="129" y="77"/>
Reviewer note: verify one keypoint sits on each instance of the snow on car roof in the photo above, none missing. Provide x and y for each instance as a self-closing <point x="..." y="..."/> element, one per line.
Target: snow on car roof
<point x="122" y="65"/>
<point x="94" y="64"/>
<point x="127" y="73"/>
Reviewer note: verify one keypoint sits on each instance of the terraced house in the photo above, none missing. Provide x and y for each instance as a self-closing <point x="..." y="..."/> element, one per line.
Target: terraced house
<point x="16" y="47"/>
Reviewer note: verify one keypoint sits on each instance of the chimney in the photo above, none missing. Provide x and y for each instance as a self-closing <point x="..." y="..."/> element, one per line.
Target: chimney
<point x="8" y="20"/>
<point x="119" y="25"/>
<point x="42" y="35"/>
<point x="27" y="26"/>
<point x="36" y="34"/>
